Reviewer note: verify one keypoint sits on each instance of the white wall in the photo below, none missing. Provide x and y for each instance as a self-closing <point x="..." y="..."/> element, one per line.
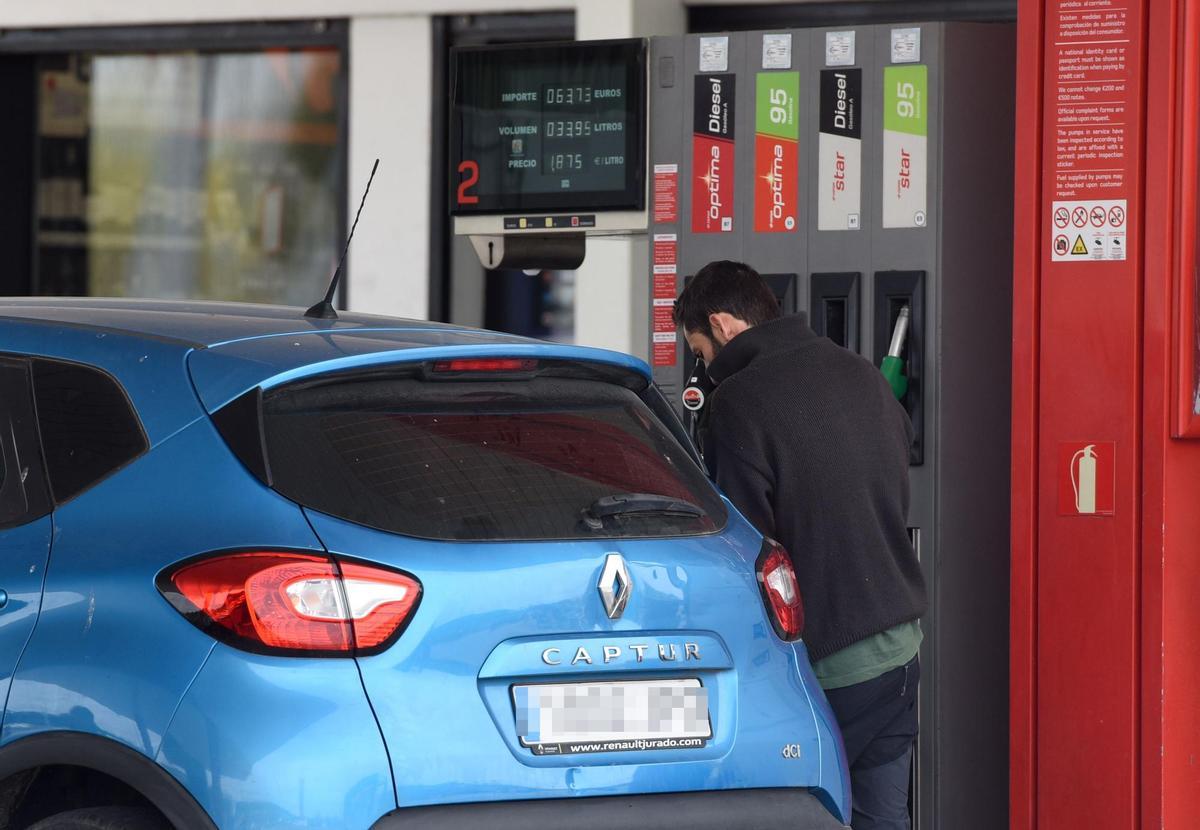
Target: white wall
<point x="391" y="67"/>
<point x="612" y="289"/>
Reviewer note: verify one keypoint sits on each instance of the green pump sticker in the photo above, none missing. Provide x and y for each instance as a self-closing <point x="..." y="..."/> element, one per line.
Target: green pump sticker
<point x="775" y="106"/>
<point x="905" y="95"/>
<point x="776" y="153"/>
<point x="905" y="146"/>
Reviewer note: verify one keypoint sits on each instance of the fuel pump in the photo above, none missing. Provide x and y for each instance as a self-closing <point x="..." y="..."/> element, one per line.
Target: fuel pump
<point x="849" y="166"/>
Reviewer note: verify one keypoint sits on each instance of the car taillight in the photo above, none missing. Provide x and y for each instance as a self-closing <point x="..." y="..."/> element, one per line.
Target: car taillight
<point x="489" y="364"/>
<point x="294" y="603"/>
<point x="780" y="590"/>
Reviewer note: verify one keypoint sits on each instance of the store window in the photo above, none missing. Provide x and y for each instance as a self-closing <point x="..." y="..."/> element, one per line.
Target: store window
<point x="189" y="174"/>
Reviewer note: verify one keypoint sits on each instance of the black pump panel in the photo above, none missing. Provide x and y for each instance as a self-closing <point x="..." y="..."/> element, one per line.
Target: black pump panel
<point x="893" y="291"/>
<point x="784" y="288"/>
<point x="834" y="307"/>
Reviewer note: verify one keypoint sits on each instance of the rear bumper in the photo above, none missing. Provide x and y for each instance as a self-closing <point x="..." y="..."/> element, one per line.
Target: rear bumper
<point x="770" y="809"/>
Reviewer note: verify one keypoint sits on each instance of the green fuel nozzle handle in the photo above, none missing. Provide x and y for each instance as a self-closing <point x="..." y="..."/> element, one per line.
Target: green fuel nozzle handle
<point x="892" y="365"/>
<point x="893" y="371"/>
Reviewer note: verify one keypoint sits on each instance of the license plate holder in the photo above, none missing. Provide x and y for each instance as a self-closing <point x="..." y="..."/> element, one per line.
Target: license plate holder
<point x="612" y="716"/>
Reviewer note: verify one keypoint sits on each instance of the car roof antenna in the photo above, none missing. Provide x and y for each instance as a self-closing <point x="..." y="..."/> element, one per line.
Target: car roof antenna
<point x="324" y="309"/>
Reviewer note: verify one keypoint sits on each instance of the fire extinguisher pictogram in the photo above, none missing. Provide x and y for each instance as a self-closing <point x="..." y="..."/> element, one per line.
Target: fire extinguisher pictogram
<point x="1087" y="478"/>
<point x="1085" y="484"/>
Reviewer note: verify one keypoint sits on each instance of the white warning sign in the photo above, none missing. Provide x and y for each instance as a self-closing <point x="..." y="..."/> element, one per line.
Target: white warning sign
<point x="777" y="51"/>
<point x="714" y="54"/>
<point x="839" y="48"/>
<point x="1088" y="231"/>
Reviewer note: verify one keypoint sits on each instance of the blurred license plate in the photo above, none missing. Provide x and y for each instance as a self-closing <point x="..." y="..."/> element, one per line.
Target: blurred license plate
<point x="622" y="716"/>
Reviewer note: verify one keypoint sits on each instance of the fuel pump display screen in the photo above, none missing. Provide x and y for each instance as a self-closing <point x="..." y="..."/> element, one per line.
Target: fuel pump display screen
<point x="556" y="127"/>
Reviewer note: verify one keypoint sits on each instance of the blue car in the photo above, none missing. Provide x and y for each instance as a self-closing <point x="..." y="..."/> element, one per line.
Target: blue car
<point x="264" y="571"/>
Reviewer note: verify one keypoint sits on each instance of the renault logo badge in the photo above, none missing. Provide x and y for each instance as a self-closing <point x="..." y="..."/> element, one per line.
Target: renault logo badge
<point x="615" y="585"/>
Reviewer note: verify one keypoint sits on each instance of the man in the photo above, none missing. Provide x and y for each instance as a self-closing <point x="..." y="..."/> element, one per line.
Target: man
<point x="812" y="446"/>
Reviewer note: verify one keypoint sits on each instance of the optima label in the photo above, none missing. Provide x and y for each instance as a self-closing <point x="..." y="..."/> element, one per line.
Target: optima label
<point x="839" y="179"/>
<point x="712" y="154"/>
<point x="776" y="152"/>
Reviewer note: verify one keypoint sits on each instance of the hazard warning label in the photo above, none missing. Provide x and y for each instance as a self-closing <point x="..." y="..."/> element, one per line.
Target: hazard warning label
<point x="1087" y="231"/>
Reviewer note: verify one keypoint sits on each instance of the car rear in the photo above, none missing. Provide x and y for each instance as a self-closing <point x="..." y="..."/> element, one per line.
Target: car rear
<point x="553" y="613"/>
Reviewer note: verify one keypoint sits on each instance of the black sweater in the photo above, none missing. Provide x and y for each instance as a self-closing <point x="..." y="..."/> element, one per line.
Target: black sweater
<point x="812" y="447"/>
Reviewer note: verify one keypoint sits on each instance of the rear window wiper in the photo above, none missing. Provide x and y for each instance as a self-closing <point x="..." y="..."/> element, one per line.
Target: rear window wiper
<point x="621" y="504"/>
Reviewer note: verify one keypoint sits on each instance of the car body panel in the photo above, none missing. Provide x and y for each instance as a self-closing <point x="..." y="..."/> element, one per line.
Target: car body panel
<point x="109" y="655"/>
<point x="152" y="372"/>
<point x="834" y="789"/>
<point x="487" y="612"/>
<point x="194" y="323"/>
<point x="22" y="569"/>
<point x="224" y="372"/>
<point x="267" y="742"/>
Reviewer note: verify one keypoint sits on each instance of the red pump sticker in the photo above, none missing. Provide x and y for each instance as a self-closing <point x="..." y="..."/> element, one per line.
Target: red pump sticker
<point x="712" y="154"/>
<point x="664" y="351"/>
<point x="666" y="194"/>
<point x="776" y="153"/>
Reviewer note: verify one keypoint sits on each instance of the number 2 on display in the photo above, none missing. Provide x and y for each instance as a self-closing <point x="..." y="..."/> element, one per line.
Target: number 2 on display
<point x="471" y="168"/>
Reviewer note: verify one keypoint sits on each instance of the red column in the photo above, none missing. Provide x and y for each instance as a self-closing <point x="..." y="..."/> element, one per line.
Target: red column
<point x="1106" y="587"/>
<point x="1171" y="468"/>
<point x="1077" y="443"/>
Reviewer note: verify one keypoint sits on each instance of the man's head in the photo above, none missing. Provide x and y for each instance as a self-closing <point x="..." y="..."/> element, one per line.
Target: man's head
<point x="723" y="300"/>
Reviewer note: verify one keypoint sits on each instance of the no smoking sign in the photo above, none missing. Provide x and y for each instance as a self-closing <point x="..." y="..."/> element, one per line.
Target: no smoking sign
<point x="1087" y="231"/>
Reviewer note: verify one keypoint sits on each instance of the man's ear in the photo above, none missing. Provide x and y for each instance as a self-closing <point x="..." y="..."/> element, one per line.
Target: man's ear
<point x="725" y="326"/>
<point x="716" y="322"/>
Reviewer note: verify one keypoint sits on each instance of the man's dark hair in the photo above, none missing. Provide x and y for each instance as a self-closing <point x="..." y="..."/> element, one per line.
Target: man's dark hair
<point x="732" y="287"/>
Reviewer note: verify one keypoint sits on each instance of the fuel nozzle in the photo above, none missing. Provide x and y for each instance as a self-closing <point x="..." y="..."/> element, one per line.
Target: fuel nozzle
<point x="695" y="401"/>
<point x="892" y="365"/>
<point x="697" y="389"/>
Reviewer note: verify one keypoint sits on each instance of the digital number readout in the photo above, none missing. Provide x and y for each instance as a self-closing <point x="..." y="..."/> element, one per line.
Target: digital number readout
<point x="558" y="162"/>
<point x="566" y="95"/>
<point x="551" y="126"/>
<point x="561" y="137"/>
<point x="567" y="129"/>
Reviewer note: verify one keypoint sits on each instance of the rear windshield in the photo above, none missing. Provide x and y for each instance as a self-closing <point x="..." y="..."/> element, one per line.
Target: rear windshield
<point x="544" y="458"/>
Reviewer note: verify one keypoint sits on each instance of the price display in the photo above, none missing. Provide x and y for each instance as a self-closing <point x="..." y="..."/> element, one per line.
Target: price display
<point x="548" y="128"/>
